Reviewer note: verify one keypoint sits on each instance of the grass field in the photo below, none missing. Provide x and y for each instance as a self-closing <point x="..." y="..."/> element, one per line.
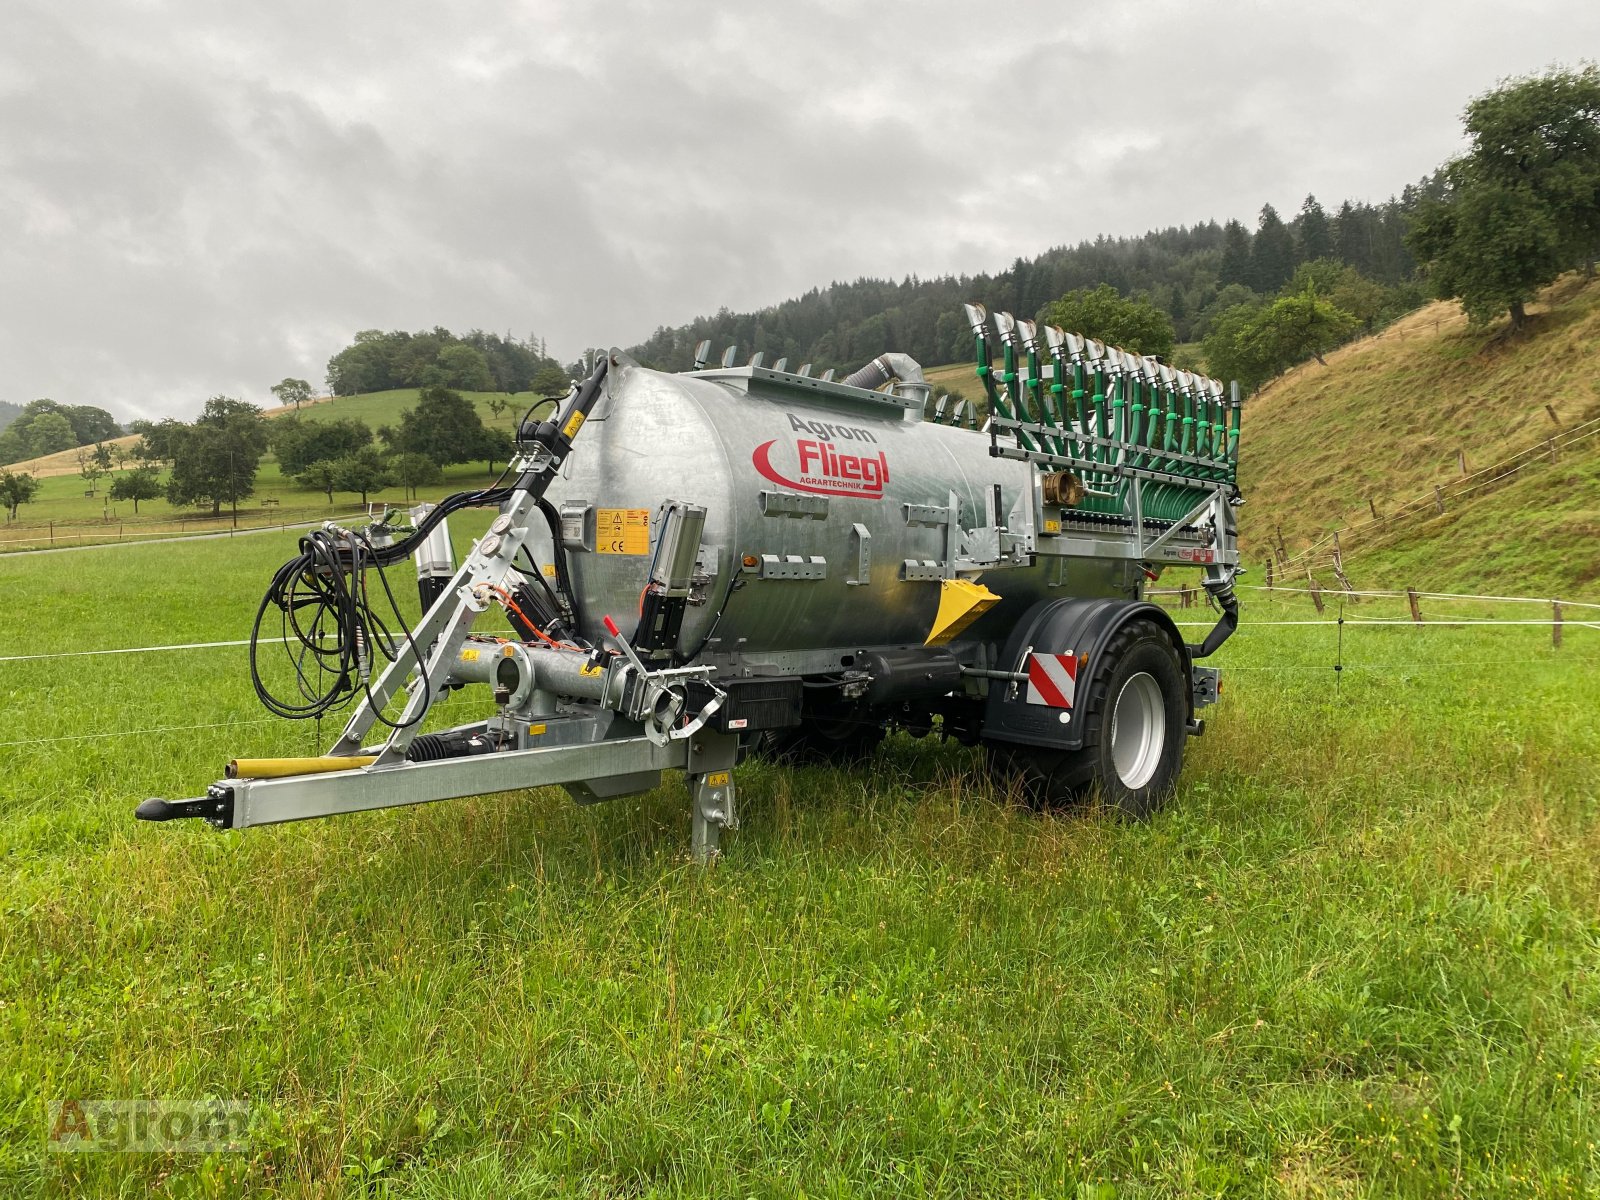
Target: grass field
<point x="1359" y="955"/>
<point x="62" y="514"/>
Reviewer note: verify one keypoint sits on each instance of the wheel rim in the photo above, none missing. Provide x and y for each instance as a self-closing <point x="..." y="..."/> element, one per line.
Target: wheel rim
<point x="1138" y="731"/>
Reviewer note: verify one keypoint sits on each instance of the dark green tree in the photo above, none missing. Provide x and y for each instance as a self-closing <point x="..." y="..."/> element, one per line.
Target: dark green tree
<point x="496" y="446"/>
<point x="364" y="471"/>
<point x="1235" y="267"/>
<point x="318" y="475"/>
<point x="1294" y="328"/>
<point x="551" y="380"/>
<point x="1133" y="323"/>
<point x="49" y="433"/>
<point x="292" y="392"/>
<point x="412" y="471"/>
<point x="1272" y="257"/>
<point x="16" y="489"/>
<point x="158" y="442"/>
<point x="215" y="460"/>
<point x="298" y="443"/>
<point x="91" y="424"/>
<point x="444" y="426"/>
<point x="138" y="484"/>
<point x="460" y="366"/>
<point x="1523" y="203"/>
<point x="1313" y="231"/>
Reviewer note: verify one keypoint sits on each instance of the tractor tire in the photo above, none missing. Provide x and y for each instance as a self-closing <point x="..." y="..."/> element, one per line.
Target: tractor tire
<point x="1136" y="713"/>
<point x="836" y="740"/>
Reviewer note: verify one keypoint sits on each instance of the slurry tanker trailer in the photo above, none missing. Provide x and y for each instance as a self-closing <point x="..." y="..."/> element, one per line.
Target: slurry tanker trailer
<point x="685" y="566"/>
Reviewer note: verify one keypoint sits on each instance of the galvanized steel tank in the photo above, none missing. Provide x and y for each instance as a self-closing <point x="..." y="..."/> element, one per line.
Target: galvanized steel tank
<point x="796" y="475"/>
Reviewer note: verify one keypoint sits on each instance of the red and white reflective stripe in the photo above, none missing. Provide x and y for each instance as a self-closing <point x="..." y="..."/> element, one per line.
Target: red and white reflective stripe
<point x="1052" y="679"/>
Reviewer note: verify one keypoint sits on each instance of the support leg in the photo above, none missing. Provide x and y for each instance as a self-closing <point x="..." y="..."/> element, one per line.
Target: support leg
<point x="710" y="766"/>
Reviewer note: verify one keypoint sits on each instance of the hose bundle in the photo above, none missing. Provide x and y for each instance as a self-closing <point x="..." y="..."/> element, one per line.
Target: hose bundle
<point x="330" y="631"/>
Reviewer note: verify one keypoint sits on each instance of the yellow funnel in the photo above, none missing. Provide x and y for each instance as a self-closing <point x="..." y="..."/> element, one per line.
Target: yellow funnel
<point x="961" y="602"/>
<point x="277" y="768"/>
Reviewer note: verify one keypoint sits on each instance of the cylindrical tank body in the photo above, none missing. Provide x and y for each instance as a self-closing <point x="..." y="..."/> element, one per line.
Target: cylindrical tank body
<point x="806" y="487"/>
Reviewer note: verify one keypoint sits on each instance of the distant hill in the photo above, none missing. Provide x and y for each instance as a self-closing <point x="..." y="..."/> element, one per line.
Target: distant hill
<point x="1384" y="422"/>
<point x="1185" y="270"/>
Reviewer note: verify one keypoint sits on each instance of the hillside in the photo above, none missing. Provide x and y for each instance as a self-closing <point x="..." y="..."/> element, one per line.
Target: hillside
<point x="1384" y="422"/>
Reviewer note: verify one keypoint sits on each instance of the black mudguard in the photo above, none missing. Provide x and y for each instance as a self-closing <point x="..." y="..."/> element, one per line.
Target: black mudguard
<point x="1082" y="627"/>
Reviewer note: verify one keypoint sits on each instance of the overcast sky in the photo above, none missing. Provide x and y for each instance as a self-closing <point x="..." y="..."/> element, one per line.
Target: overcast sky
<point x="204" y="197"/>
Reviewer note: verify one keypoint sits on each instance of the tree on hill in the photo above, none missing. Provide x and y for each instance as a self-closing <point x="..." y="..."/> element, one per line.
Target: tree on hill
<point x="91" y="466"/>
<point x="138" y="484"/>
<point x="298" y="443"/>
<point x="459" y="366"/>
<point x="49" y="433"/>
<point x="1312" y="231"/>
<point x="1235" y="267"/>
<point x="215" y="460"/>
<point x="1294" y="328"/>
<point x="377" y="361"/>
<point x="412" y="471"/>
<point x="16" y="489"/>
<point x="1523" y="204"/>
<point x="1272" y="257"/>
<point x="91" y="424"/>
<point x="157" y="441"/>
<point x="444" y="426"/>
<point x="1254" y="344"/>
<point x="495" y="447"/>
<point x="550" y="381"/>
<point x="363" y="472"/>
<point x="1134" y="323"/>
<point x="318" y="476"/>
<point x="292" y="391"/>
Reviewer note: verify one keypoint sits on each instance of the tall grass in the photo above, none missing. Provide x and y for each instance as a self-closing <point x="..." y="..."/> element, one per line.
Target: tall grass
<point x="1357" y="955"/>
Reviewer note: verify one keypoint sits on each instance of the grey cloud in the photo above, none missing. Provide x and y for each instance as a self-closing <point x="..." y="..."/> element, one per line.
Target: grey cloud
<point x="200" y="198"/>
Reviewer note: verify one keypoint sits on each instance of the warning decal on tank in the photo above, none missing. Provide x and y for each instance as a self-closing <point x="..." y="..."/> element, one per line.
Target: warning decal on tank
<point x="622" y="530"/>
<point x="1052" y="679"/>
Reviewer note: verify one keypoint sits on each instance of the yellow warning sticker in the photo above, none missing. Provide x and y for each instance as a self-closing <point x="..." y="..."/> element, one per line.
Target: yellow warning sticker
<point x="535" y="730"/>
<point x="469" y="656"/>
<point x="548" y="570"/>
<point x="574" y="423"/>
<point x="507" y="651"/>
<point x="717" y="779"/>
<point x="622" y="530"/>
<point x="589" y="669"/>
<point x="1051" y="525"/>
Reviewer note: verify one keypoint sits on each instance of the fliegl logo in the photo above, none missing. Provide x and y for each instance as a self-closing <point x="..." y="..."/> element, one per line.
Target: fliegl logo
<point x="820" y="466"/>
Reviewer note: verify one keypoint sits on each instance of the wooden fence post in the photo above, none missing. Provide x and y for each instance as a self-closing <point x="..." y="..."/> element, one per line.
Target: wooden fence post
<point x="1555" y="624"/>
<point x="1438" y="499"/>
<point x="1316" y="591"/>
<point x="1555" y="420"/>
<point x="1269" y="574"/>
<point x="1461" y="460"/>
<point x="1373" y="505"/>
<point x="1416" y="609"/>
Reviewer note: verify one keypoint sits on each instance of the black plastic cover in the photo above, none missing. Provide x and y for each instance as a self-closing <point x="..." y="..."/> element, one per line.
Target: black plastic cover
<point x="1078" y="626"/>
<point x="771" y="702"/>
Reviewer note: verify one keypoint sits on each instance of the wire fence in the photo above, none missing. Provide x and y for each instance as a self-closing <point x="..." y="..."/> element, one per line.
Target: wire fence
<point x="1326" y="550"/>
<point x="72" y="535"/>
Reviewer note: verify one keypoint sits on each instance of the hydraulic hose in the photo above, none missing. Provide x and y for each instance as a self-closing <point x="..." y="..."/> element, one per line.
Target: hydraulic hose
<point x="1221" y="590"/>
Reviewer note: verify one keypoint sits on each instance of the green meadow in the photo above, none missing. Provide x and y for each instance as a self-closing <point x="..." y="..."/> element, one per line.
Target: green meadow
<point x="1358" y="954"/>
